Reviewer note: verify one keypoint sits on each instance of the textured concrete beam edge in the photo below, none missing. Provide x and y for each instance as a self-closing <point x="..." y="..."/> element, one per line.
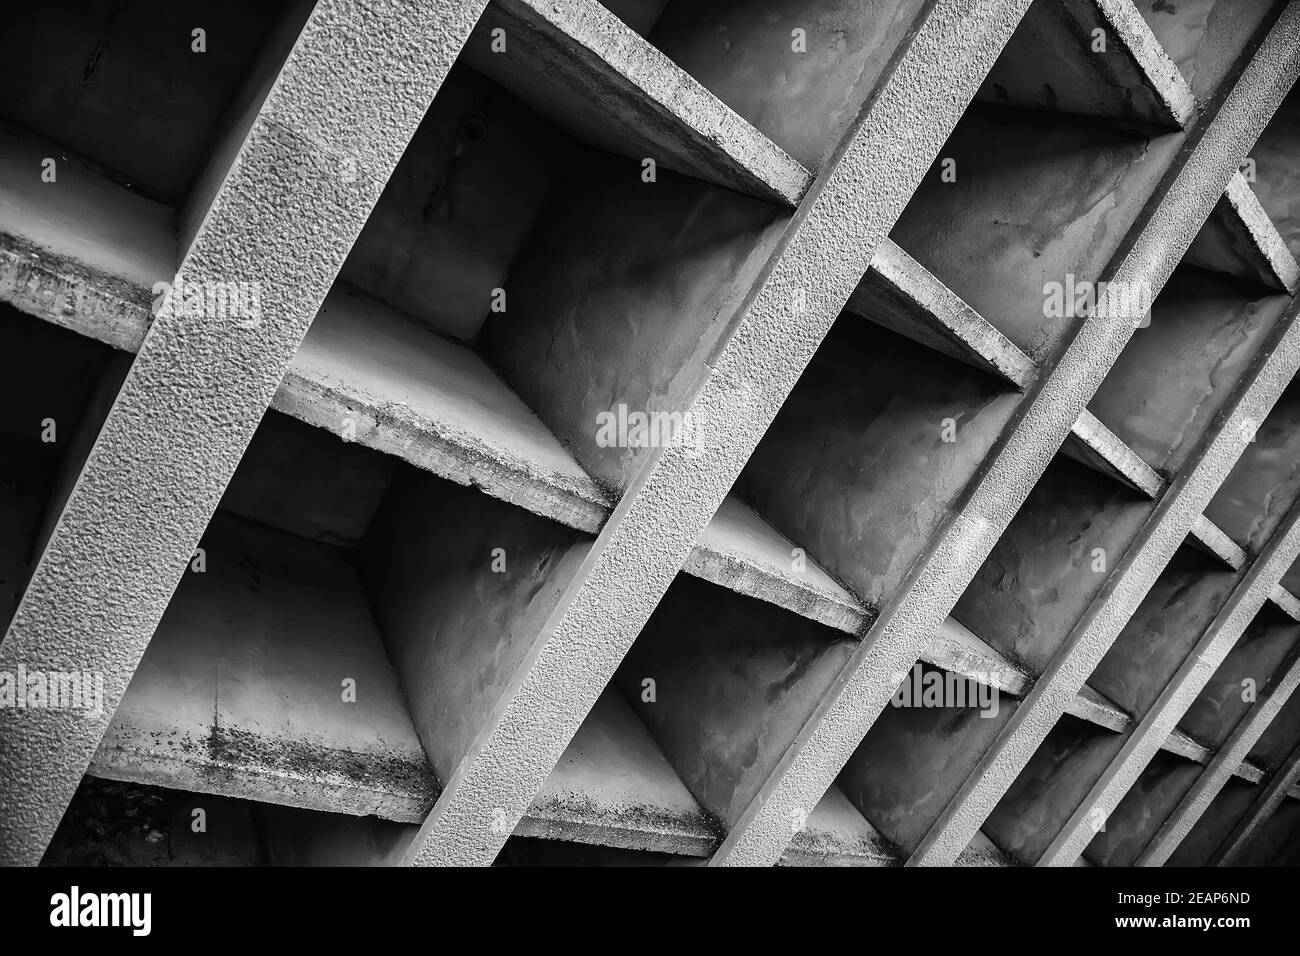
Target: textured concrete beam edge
<point x="1245" y="601"/>
<point x="314" y="161"/>
<point x="825" y="253"/>
<point x="1027" y="446"/>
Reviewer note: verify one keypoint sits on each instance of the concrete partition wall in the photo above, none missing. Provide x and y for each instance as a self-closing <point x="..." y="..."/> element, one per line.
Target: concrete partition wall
<point x="1169" y="383"/>
<point x="1164" y="630"/>
<point x="871" y="451"/>
<point x="988" y="220"/>
<point x="56" y="388"/>
<point x="724" y="683"/>
<point x="799" y="70"/>
<point x="913" y="759"/>
<point x="459" y="584"/>
<point x="1051" y="562"/>
<point x="608" y="319"/>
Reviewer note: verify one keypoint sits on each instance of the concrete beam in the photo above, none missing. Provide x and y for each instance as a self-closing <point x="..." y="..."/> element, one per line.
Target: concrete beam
<point x="1187" y="196"/>
<point x="1162" y="717"/>
<point x="302" y="180"/>
<point x="1213" y="156"/>
<point x="1279" y="785"/>
<point x="1220" y="770"/>
<point x="822" y="259"/>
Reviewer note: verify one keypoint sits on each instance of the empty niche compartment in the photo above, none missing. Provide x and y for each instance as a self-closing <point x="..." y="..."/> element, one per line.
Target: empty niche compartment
<point x="1251" y="503"/>
<point x="798" y="70"/>
<point x="104" y="138"/>
<point x="1044" y="795"/>
<point x="1123" y="835"/>
<point x="267" y="677"/>
<point x="111" y="823"/>
<point x="547" y="277"/>
<point x="1243" y="678"/>
<point x="57" y="388"/>
<point x="1279" y="738"/>
<point x="1164" y="630"/>
<point x="1276" y="178"/>
<point x="920" y="750"/>
<point x="1054" y="119"/>
<point x="1180" y="370"/>
<point x="873" y="448"/>
<point x="337" y="594"/>
<point x="1051" y="562"/>
<point x="724" y="683"/>
<point x="1206" y="39"/>
<point x="1215" y="824"/>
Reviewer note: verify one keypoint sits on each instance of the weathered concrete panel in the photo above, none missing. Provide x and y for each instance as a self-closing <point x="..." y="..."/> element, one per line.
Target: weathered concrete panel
<point x="455" y="628"/>
<point x="735" y="680"/>
<point x="1050" y="787"/>
<point x="1051" y="562"/>
<point x="1267" y="643"/>
<point x="1143" y="809"/>
<point x="805" y="100"/>
<point x="864" y="489"/>
<point x="1037" y="199"/>
<point x="1163" y="630"/>
<point x="1175" y="374"/>
<point x="602" y="315"/>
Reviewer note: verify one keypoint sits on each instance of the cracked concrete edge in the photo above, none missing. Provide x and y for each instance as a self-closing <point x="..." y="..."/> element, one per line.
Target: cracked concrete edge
<point x="1155" y="64"/>
<point x="1157" y="243"/>
<point x="1161" y="719"/>
<point x="1277" y="790"/>
<point x="1219" y="771"/>
<point x="826" y="251"/>
<point x="1264" y="237"/>
<point x="284" y="217"/>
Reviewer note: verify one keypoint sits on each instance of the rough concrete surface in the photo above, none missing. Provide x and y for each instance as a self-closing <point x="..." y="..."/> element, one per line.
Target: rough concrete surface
<point x="642" y="398"/>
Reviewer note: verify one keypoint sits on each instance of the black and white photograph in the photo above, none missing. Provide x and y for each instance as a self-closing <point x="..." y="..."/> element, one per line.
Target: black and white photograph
<point x="854" y="443"/>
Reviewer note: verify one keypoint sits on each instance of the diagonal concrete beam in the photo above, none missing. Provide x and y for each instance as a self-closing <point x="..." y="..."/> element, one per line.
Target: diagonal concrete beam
<point x="1184" y="201"/>
<point x="279" y="209"/>
<point x="1219" y="770"/>
<point x="825" y="252"/>
<point x="1245" y="601"/>
<point x="1247" y="829"/>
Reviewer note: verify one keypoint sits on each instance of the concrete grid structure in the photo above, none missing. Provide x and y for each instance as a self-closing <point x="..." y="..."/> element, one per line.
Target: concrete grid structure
<point x="447" y="432"/>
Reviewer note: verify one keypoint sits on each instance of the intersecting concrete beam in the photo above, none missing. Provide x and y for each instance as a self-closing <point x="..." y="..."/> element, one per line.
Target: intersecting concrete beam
<point x="295" y="190"/>
<point x="1186" y="197"/>
<point x="1213" y="155"/>
<point x="825" y="253"/>
<point x="1219" y="771"/>
<point x="1160" y="720"/>
<point x="1247" y="829"/>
